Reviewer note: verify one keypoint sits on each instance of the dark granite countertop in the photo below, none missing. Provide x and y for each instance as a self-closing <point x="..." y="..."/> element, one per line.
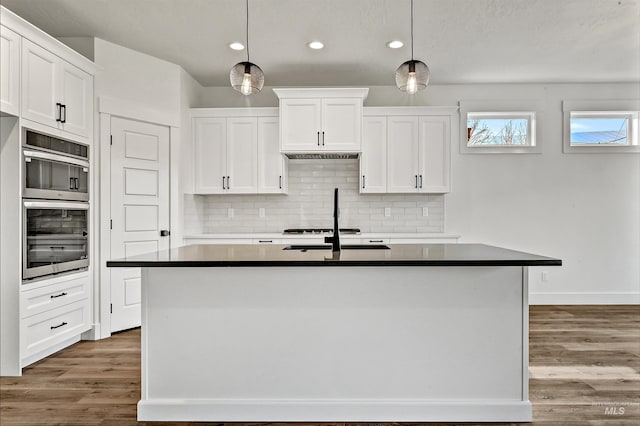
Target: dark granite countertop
<point x="241" y="255"/>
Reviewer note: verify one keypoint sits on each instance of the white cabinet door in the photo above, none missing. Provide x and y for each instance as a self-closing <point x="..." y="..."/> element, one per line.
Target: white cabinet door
<point x="77" y="96"/>
<point x="210" y="155"/>
<point x="300" y="124"/>
<point x="434" y="154"/>
<point x="242" y="155"/>
<point x="9" y="71"/>
<point x="341" y="127"/>
<point x="271" y="164"/>
<point x="402" y="154"/>
<point x="373" y="160"/>
<point x="41" y="97"/>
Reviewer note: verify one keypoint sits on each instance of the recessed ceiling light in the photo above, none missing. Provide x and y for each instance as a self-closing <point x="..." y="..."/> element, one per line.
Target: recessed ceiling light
<point x="237" y="46"/>
<point x="395" y="44"/>
<point x="316" y="45"/>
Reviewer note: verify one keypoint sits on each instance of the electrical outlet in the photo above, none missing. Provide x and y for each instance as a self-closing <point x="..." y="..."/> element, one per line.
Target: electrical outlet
<point x="545" y="276"/>
<point x="387" y="211"/>
<point x="425" y="211"/>
<point x="261" y="212"/>
<point x="230" y="212"/>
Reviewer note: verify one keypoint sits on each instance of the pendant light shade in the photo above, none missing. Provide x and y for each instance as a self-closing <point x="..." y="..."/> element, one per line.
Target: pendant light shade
<point x="246" y="77"/>
<point x="412" y="75"/>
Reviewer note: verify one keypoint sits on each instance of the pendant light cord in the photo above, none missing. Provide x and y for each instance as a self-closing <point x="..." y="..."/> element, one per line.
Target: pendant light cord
<point x="411" y="30"/>
<point x="248" y="30"/>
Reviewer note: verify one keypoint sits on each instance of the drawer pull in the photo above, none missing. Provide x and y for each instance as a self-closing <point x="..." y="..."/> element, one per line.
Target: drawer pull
<point x="58" y="326"/>
<point x="59" y="295"/>
<point x="376" y="241"/>
<point x="265" y="241"/>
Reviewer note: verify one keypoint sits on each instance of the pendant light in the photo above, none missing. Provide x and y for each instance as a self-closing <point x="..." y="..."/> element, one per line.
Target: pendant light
<point x="246" y="77"/>
<point x="412" y="75"/>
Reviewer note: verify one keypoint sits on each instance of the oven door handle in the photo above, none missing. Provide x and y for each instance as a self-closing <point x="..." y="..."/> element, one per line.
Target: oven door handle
<point x="55" y="205"/>
<point x="55" y="157"/>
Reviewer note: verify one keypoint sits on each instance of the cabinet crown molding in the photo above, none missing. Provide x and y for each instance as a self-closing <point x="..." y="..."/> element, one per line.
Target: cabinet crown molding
<point x="39" y="37"/>
<point x="408" y="110"/>
<point x="321" y="92"/>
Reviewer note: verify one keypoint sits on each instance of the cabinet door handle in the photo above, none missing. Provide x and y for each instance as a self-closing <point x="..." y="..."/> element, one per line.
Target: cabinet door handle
<point x="362" y="181"/>
<point x="416" y="181"/>
<point x="420" y="181"/>
<point x="280" y="181"/>
<point x="223" y="187"/>
<point x="58" y="326"/>
<point x="322" y="138"/>
<point x="58" y="111"/>
<point x="318" y="138"/>
<point x="63" y="113"/>
<point x="55" y="296"/>
<point x="228" y="183"/>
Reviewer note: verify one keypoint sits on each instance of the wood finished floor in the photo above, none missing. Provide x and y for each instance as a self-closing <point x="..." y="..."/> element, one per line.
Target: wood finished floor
<point x="584" y="368"/>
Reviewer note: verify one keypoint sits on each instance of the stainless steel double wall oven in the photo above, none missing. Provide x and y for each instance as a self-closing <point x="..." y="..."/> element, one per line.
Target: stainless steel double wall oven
<point x="55" y="198"/>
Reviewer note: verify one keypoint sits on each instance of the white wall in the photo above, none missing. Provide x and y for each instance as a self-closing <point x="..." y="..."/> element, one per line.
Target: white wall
<point x="582" y="208"/>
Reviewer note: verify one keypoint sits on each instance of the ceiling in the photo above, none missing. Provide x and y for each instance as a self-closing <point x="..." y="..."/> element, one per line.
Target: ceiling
<point x="462" y="41"/>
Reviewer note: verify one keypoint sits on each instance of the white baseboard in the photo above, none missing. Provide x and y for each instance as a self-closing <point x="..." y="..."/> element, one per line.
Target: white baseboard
<point x="291" y="410"/>
<point x="618" y="298"/>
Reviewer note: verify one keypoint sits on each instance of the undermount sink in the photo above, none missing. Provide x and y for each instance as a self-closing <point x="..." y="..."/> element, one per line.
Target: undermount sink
<point x="305" y="247"/>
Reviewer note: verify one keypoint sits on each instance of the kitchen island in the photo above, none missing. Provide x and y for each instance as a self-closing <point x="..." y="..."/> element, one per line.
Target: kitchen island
<point x="435" y="332"/>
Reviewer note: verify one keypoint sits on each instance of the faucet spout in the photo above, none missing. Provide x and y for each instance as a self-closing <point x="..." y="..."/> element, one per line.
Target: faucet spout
<point x="335" y="239"/>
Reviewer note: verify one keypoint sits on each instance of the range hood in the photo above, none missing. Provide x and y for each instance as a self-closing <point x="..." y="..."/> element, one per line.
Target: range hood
<point x="321" y="155"/>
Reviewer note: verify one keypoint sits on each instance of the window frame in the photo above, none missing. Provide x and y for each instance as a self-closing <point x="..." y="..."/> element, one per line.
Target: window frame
<point x="629" y="109"/>
<point x="530" y="110"/>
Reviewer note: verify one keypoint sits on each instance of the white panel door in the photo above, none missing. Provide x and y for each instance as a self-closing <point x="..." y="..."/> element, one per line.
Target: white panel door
<point x="271" y="164"/>
<point x="9" y="71"/>
<point x="341" y="124"/>
<point x="242" y="155"/>
<point x="300" y="124"/>
<point x="210" y="155"/>
<point x="402" y="154"/>
<point x="40" y="84"/>
<point x="77" y="95"/>
<point x="434" y="154"/>
<point x="373" y="160"/>
<point x="139" y="208"/>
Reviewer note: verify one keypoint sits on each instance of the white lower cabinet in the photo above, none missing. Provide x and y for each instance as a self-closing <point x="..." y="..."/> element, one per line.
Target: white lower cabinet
<point x="53" y="312"/>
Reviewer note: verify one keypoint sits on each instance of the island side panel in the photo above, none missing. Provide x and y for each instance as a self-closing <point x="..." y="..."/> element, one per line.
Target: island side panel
<point x="334" y="343"/>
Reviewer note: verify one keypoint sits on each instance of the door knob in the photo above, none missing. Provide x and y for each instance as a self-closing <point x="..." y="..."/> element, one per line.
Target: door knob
<point x="165" y="233"/>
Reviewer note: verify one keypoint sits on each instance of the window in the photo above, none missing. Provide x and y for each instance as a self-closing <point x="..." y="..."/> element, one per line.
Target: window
<point x="600" y="130"/>
<point x="500" y="126"/>
<point x="496" y="129"/>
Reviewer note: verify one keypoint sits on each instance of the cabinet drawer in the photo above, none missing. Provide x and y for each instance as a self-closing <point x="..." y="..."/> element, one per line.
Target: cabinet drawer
<point x="46" y="329"/>
<point x="53" y="296"/>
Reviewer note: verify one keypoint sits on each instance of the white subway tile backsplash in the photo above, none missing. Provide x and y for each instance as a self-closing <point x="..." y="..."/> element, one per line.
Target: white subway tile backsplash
<point x="310" y="204"/>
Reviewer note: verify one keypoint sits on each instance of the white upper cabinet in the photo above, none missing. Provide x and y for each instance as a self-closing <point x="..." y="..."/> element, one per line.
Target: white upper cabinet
<point x="242" y="155"/>
<point x="236" y="151"/>
<point x="321" y="119"/>
<point x="54" y="92"/>
<point x="402" y="154"/>
<point x="272" y="166"/>
<point x="9" y="71"/>
<point x="210" y="155"/>
<point x="416" y="142"/>
<point x="226" y="155"/>
<point x="373" y="160"/>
